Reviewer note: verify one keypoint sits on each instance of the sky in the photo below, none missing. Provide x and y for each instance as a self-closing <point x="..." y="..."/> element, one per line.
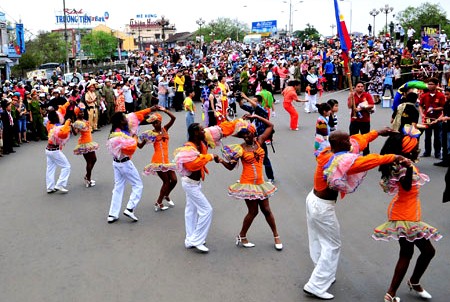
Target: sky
<point x="182" y="13"/>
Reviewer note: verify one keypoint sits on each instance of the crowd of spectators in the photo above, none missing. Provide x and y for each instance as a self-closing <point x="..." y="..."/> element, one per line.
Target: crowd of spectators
<point x="161" y="76"/>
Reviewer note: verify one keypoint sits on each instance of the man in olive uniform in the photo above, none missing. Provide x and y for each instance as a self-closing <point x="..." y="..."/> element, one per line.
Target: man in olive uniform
<point x="146" y="89"/>
<point x="108" y="94"/>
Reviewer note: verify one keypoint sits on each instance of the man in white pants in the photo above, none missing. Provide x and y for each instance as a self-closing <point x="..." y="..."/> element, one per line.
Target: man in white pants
<point x="323" y="226"/>
<point x="198" y="212"/>
<point x="56" y="158"/>
<point x="58" y="135"/>
<point x="311" y="90"/>
<point x="122" y="146"/>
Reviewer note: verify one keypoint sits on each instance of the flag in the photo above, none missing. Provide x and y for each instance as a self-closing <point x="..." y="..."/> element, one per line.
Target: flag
<point x="20" y="37"/>
<point x="344" y="37"/>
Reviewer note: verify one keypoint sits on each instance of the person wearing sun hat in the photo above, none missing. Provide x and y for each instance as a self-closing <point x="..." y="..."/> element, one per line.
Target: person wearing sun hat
<point x="160" y="164"/>
<point x="92" y="102"/>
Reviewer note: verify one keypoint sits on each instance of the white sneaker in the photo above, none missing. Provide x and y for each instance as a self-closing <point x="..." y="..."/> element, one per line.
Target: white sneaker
<point x="170" y="203"/>
<point x="130" y="215"/>
<point x="112" y="219"/>
<point x="61" y="189"/>
<point x="50" y="191"/>
<point x="323" y="296"/>
<point x="202" y="248"/>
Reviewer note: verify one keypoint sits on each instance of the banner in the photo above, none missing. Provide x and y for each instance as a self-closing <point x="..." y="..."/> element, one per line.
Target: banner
<point x="430" y="36"/>
<point x="264" y="27"/>
<point x="20" y="37"/>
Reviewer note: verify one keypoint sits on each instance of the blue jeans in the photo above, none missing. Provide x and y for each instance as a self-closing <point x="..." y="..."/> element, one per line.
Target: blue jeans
<point x="22" y="125"/>
<point x="390" y="89"/>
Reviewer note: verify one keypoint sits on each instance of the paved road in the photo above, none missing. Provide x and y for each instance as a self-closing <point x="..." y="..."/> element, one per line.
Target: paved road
<point x="60" y="248"/>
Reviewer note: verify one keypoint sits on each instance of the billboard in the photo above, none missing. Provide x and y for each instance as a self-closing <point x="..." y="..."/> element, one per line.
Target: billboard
<point x="265" y="27"/>
<point x="80" y="17"/>
<point x="430" y="36"/>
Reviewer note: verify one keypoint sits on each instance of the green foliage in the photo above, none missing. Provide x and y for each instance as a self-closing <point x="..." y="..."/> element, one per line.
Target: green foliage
<point x="425" y="14"/>
<point x="98" y="44"/>
<point x="46" y="47"/>
<point x="222" y="29"/>
<point x="310" y="33"/>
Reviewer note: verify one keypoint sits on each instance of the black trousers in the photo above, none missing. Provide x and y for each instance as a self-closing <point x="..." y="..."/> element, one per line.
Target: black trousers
<point x="435" y="130"/>
<point x="360" y="127"/>
<point x="178" y="101"/>
<point x="266" y="162"/>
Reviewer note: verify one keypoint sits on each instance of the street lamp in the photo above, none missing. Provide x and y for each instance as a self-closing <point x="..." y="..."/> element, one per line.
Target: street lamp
<point x="351" y="12"/>
<point x="332" y="29"/>
<point x="163" y="23"/>
<point x="386" y="10"/>
<point x="200" y="22"/>
<point x="374" y="12"/>
<point x="290" y="15"/>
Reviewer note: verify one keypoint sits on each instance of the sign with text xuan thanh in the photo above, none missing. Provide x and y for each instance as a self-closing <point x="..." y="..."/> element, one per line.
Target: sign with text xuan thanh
<point x="264" y="26"/>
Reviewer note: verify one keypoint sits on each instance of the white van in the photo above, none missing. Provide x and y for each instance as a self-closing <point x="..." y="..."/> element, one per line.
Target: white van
<point x="250" y="39"/>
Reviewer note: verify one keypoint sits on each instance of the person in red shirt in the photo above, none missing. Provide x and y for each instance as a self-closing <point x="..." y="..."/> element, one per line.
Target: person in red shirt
<point x="363" y="106"/>
<point x="430" y="108"/>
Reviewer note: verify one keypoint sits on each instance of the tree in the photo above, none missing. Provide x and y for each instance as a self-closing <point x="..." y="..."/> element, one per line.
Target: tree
<point x="99" y="44"/>
<point x="425" y="14"/>
<point x="222" y="29"/>
<point x="46" y="47"/>
<point x="310" y="33"/>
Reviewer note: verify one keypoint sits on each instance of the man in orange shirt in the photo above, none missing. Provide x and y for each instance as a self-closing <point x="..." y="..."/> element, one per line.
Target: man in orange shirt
<point x="323" y="226"/>
<point x="191" y="160"/>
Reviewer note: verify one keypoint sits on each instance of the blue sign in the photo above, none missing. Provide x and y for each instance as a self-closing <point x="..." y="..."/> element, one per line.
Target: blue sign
<point x="264" y="27"/>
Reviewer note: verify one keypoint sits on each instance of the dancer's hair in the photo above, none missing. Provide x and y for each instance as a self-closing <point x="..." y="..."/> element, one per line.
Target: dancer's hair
<point x="191" y="130"/>
<point x="116" y="119"/>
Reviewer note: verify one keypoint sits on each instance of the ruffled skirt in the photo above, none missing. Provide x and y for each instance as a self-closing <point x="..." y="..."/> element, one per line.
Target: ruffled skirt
<point x="251" y="191"/>
<point x="411" y="230"/>
<point x="85" y="148"/>
<point x="152" y="168"/>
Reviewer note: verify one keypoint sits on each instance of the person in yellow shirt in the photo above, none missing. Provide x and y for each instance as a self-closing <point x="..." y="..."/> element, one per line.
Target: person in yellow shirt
<point x="179" y="90"/>
<point x="225" y="89"/>
<point x="189" y="107"/>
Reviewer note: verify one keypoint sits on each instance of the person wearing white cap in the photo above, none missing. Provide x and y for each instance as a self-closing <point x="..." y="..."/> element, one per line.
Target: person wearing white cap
<point x="92" y="102"/>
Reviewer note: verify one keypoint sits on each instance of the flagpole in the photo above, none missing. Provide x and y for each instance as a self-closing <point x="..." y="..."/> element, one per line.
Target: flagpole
<point x="350" y="85"/>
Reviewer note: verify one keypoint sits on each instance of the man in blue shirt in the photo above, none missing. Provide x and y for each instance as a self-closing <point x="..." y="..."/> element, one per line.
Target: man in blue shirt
<point x="329" y="72"/>
<point x="355" y="69"/>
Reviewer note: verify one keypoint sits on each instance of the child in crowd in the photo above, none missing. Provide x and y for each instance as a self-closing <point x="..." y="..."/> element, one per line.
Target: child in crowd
<point x="333" y="120"/>
<point x="322" y="126"/>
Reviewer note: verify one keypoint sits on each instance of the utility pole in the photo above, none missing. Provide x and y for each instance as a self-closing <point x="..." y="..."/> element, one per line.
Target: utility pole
<point x="66" y="37"/>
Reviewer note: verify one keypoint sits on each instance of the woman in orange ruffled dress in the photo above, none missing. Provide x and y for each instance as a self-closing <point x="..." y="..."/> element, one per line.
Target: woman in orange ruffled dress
<point x="160" y="164"/>
<point x="404" y="214"/>
<point x="251" y="186"/>
<point x="86" y="146"/>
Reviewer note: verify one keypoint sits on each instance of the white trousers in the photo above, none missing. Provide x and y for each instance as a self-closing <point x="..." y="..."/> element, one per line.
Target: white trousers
<point x="197" y="214"/>
<point x="54" y="159"/>
<point x="324" y="241"/>
<point x="124" y="172"/>
<point x="310" y="104"/>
